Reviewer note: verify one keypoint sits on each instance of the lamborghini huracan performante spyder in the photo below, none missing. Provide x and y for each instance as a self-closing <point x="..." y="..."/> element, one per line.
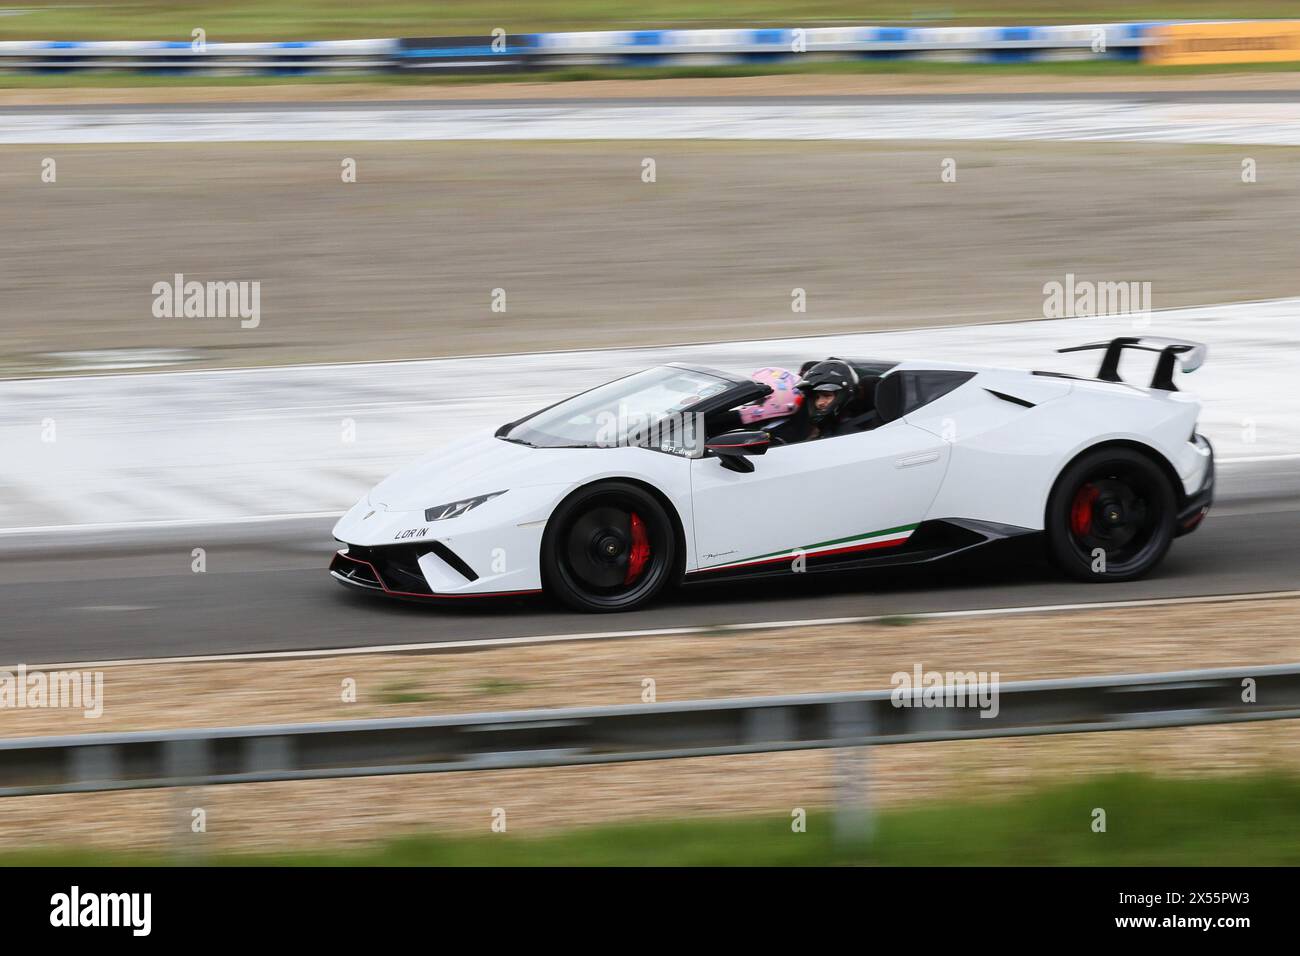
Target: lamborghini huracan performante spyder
<point x="677" y="474"/>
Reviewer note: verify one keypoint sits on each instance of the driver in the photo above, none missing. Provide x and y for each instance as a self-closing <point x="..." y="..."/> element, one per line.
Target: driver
<point x="830" y="387"/>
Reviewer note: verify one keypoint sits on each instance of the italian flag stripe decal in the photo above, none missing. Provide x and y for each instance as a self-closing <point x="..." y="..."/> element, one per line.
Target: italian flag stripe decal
<point x="888" y="538"/>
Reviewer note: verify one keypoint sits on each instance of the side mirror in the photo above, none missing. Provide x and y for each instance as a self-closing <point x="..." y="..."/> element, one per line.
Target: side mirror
<point x="732" y="447"/>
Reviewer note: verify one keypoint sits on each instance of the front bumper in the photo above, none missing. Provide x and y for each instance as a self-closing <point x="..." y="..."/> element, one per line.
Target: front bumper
<point x="396" y="572"/>
<point x="1197" y="504"/>
<point x="490" y="551"/>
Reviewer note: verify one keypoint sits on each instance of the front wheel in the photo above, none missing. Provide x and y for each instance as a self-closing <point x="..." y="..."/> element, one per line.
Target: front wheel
<point x="1110" y="516"/>
<point x="608" y="547"/>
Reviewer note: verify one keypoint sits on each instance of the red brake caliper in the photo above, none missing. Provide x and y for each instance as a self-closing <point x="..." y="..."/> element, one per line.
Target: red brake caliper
<point x="1081" y="510"/>
<point x="640" y="552"/>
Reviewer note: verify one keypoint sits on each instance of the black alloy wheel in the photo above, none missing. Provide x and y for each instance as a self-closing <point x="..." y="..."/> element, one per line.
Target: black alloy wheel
<point x="608" y="547"/>
<point x="1111" y="516"/>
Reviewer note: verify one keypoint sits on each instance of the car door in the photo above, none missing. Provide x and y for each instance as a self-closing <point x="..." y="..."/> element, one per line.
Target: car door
<point x="827" y="500"/>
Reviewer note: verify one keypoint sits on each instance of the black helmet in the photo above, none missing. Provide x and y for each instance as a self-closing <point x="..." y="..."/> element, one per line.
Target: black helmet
<point x="835" y="376"/>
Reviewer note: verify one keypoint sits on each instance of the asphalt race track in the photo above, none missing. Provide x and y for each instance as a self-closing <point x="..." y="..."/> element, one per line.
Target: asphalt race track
<point x="266" y="589"/>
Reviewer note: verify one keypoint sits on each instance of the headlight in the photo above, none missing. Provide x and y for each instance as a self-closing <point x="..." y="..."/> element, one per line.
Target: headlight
<point x="455" y="508"/>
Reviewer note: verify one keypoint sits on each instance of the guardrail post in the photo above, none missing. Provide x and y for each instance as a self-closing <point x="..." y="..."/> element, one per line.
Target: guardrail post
<point x="268" y="754"/>
<point x="853" y="820"/>
<point x="185" y="761"/>
<point x="100" y="765"/>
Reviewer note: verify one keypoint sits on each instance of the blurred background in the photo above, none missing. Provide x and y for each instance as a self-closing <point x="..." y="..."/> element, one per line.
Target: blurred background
<point x="629" y="189"/>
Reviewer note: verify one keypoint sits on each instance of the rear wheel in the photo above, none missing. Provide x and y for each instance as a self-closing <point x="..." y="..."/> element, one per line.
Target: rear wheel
<point x="1110" y="516"/>
<point x="608" y="547"/>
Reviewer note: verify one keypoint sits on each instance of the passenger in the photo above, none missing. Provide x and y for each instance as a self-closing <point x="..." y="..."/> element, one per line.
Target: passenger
<point x="782" y="413"/>
<point x="784" y="398"/>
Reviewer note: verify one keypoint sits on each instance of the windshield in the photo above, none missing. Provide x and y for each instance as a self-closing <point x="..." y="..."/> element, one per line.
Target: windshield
<point x="650" y="408"/>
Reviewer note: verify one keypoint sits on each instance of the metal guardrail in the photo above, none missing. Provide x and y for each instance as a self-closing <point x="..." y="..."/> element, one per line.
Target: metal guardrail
<point x="1122" y="41"/>
<point x="599" y="735"/>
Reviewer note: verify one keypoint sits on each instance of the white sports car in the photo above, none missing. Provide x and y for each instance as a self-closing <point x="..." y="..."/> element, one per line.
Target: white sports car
<point x="604" y="499"/>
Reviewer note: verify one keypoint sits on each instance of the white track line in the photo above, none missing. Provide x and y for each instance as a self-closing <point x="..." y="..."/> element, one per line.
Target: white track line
<point x="453" y="646"/>
<point x="1251" y="459"/>
<point x="1136" y="118"/>
<point x="169" y="523"/>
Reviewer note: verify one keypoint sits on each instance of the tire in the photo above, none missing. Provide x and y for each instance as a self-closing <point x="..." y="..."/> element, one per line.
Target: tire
<point x="608" y="547"/>
<point x="1117" y="500"/>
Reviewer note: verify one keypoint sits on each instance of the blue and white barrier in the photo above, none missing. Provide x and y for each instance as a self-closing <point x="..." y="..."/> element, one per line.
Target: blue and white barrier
<point x="187" y="57"/>
<point x="978" y="44"/>
<point x="1122" y="41"/>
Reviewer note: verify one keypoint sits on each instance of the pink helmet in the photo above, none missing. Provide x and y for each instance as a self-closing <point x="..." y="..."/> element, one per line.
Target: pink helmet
<point x="784" y="400"/>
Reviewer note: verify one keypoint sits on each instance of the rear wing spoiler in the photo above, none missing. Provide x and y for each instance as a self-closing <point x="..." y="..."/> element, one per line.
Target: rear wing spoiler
<point x="1190" y="355"/>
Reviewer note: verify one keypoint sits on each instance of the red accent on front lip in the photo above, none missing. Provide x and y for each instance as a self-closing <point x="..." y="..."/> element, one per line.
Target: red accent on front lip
<point x="440" y="597"/>
<point x="640" y="553"/>
<point x="869" y="546"/>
